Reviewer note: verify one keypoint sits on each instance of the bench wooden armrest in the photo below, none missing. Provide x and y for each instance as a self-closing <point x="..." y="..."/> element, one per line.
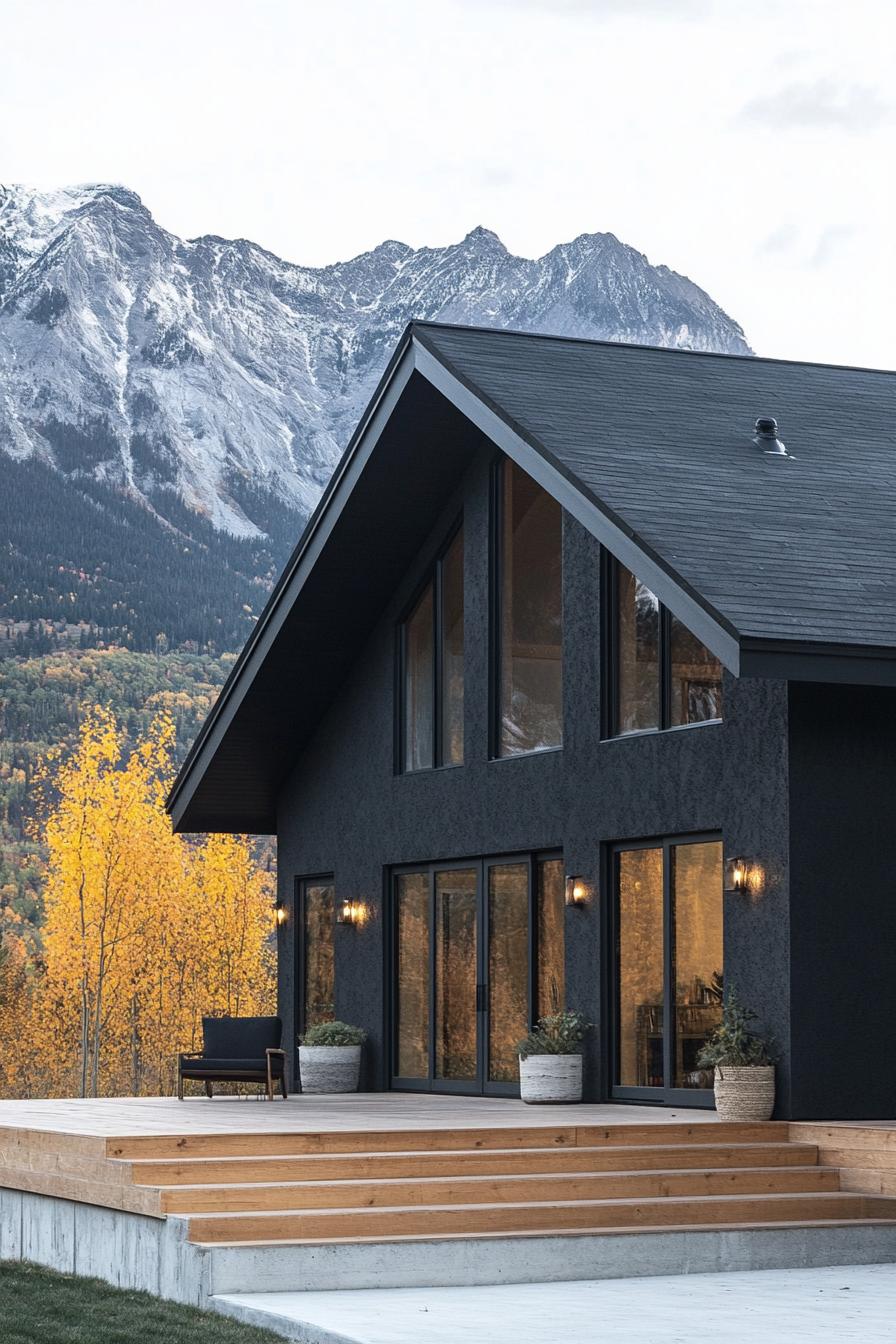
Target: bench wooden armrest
<point x="269" y="1054"/>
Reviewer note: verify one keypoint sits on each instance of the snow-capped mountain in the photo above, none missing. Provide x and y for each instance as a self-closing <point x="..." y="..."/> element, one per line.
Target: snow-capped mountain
<point x="153" y="363"/>
<point x="210" y="379"/>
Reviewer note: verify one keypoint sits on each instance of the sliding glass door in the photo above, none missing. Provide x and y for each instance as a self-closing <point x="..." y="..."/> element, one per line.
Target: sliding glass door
<point x="668" y="967"/>
<point x="477" y="955"/>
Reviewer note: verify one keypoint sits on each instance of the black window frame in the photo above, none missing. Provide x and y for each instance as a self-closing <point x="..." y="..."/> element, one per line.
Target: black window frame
<point x="667" y="1095"/>
<point x="481" y="1085"/>
<point x="432" y="577"/>
<point x="609" y="602"/>
<point x="495" y="594"/>
<point x="302" y="883"/>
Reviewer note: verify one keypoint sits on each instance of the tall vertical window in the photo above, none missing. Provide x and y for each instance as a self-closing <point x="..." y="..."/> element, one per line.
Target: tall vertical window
<point x="669" y="972"/>
<point x="663" y="676"/>
<point x="432" y="667"/>
<point x="317" y="901"/>
<point x="528" y="619"/>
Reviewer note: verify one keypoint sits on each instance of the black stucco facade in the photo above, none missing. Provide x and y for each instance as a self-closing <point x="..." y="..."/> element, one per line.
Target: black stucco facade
<point x="344" y="810"/>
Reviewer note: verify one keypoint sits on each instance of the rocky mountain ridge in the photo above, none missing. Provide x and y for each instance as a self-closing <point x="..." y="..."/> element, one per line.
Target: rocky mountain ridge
<point x="212" y="385"/>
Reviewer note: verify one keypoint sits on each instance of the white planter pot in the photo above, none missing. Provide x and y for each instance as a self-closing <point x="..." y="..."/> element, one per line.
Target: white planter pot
<point x="329" y="1068"/>
<point x="547" y="1078"/>
<point x="745" y="1093"/>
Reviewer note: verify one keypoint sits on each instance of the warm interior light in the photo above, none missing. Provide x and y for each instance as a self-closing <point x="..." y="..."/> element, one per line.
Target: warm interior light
<point x="576" y="891"/>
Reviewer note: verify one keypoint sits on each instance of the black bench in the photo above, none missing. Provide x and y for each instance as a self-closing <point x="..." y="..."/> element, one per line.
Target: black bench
<point x="237" y="1049"/>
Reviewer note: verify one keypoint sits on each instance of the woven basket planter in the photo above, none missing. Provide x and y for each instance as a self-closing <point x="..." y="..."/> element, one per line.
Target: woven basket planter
<point x="745" y="1093"/>
<point x="550" y="1078"/>
<point x="329" y="1068"/>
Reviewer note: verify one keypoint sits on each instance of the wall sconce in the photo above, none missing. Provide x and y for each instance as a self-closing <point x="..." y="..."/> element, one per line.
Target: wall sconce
<point x="279" y="911"/>
<point x="576" y="891"/>
<point x="351" y="912"/>
<point x="743" y="877"/>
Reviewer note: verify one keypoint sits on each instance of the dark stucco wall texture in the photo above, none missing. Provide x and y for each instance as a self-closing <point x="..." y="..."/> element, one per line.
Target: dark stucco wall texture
<point x="344" y="810"/>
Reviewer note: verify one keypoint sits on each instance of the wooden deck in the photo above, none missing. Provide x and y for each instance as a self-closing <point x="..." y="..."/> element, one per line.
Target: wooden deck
<point x="392" y="1167"/>
<point x="374" y="1111"/>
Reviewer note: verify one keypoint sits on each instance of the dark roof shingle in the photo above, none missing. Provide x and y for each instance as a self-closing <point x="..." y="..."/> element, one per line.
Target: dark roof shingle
<point x="783" y="549"/>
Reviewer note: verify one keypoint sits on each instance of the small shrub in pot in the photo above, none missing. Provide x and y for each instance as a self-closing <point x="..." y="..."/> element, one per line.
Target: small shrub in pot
<point x="330" y="1057"/>
<point x="551" y="1059"/>
<point x="743" y="1061"/>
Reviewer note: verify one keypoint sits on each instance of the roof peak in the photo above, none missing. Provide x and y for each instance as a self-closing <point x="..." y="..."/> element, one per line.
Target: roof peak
<point x="672" y="350"/>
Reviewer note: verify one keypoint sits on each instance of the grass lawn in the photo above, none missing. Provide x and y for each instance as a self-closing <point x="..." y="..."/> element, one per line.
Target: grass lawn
<point x="38" y="1306"/>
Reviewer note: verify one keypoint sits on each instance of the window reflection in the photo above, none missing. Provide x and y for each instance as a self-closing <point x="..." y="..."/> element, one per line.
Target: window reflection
<point x="641" y="968"/>
<point x="638" y="654"/>
<point x="453" y="653"/>
<point x="696" y="676"/>
<point x="455" y="974"/>
<point x="318" y="988"/>
<point x="550" y="907"/>
<point x="412" y="989"/>
<point x="508" y="967"/>
<point x="418" y="685"/>
<point x="686" y="899"/>
<point x="434" y="633"/>
<point x="697" y="955"/>
<point x="530" y="672"/>
<point x="664" y="676"/>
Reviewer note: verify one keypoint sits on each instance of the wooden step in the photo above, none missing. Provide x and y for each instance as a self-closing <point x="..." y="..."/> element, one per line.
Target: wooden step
<point x="561" y="1188"/>
<point x="438" y="1140"/>
<point x="466" y="1162"/>
<point x="584" y="1215"/>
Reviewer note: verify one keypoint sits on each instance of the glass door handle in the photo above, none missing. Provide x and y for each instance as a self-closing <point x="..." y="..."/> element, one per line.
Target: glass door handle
<point x="481" y="999"/>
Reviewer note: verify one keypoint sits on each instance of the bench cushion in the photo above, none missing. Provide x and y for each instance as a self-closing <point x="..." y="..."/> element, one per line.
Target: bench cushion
<point x="209" y="1068"/>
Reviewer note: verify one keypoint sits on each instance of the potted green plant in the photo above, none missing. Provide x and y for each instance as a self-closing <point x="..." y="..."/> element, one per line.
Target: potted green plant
<point x="743" y="1062"/>
<point x="551" y="1059"/>
<point x="330" y="1057"/>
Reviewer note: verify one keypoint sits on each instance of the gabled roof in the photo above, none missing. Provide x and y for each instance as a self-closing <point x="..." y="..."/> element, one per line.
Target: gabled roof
<point x="784" y="567"/>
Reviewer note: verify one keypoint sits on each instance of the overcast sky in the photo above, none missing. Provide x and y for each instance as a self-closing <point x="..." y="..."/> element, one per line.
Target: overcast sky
<point x="750" y="145"/>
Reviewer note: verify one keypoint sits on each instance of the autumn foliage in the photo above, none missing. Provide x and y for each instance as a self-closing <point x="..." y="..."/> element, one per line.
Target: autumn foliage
<point x="145" y="932"/>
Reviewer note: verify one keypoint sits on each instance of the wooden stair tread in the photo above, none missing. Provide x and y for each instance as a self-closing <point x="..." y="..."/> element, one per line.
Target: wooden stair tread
<point x="341" y="1141"/>
<point x="258" y="1169"/>
<point x="436" y="1219"/>
<point x="483" y="1190"/>
<point x="597" y="1232"/>
<point x="459" y="1153"/>
<point x="845" y="1196"/>
<point x="568" y="1177"/>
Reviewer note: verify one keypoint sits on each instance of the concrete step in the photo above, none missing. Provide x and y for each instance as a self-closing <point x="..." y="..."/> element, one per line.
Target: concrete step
<point x="584" y="1214"/>
<point x="247" y="1144"/>
<point x="538" y="1258"/>
<point x="562" y="1187"/>
<point x="463" y="1162"/>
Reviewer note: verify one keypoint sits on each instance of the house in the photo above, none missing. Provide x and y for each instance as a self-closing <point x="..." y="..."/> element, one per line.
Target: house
<point x="580" y="688"/>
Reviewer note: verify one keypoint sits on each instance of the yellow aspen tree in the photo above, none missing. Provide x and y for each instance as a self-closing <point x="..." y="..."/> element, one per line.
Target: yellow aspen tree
<point x="104" y="837"/>
<point x="145" y="932"/>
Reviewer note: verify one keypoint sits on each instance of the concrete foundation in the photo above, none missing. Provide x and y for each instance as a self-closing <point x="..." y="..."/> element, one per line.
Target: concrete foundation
<point x="129" y="1250"/>
<point x="132" y="1250"/>
<point x="536" y="1259"/>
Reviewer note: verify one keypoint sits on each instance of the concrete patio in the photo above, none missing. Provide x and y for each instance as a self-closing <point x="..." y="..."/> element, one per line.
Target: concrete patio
<point x="842" y="1305"/>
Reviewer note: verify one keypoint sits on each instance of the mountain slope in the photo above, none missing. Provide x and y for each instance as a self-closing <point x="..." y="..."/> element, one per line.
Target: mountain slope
<point x="210" y="387"/>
